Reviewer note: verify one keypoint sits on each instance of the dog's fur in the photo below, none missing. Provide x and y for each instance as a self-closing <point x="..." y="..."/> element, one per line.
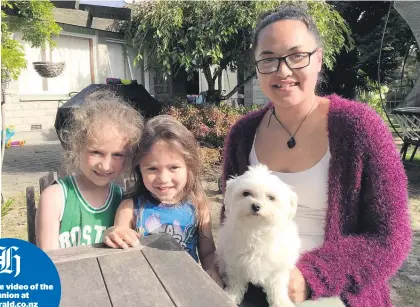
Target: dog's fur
<point x="260" y="246"/>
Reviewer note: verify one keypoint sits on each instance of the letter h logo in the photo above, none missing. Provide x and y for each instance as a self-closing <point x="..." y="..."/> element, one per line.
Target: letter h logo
<point x="9" y="260"/>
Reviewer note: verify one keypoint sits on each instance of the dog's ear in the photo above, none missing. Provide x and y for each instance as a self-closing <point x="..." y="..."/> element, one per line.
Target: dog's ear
<point x="228" y="194"/>
<point x="228" y="197"/>
<point x="293" y="204"/>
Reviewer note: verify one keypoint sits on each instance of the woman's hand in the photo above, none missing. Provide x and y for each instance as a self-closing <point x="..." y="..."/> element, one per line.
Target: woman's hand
<point x="298" y="288"/>
<point x="121" y="237"/>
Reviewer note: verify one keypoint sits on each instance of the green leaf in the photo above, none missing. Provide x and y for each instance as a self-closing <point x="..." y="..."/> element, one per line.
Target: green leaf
<point x="216" y="32"/>
<point x="35" y="20"/>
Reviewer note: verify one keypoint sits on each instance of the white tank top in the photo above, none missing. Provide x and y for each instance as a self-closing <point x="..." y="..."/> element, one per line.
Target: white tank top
<point x="311" y="187"/>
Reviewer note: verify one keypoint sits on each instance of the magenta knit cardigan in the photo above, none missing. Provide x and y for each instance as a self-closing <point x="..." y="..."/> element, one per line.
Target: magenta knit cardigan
<point x="367" y="232"/>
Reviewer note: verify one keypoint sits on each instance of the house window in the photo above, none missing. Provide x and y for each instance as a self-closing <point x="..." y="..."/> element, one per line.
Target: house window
<point x="117" y="61"/>
<point x="76" y="52"/>
<point x="114" y="61"/>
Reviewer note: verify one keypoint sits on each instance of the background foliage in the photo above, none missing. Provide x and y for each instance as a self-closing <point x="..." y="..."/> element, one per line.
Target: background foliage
<point x="357" y="68"/>
<point x="209" y="124"/>
<point x="195" y="35"/>
<point x="35" y="20"/>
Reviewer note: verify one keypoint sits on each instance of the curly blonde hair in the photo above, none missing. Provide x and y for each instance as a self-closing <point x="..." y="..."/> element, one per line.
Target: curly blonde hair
<point x="167" y="129"/>
<point x="101" y="107"/>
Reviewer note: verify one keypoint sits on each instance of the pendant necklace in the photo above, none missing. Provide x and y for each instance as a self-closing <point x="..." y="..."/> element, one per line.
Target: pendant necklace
<point x="291" y="142"/>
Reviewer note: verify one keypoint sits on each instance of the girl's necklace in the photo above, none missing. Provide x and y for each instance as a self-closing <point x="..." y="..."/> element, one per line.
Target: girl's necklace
<point x="291" y="142"/>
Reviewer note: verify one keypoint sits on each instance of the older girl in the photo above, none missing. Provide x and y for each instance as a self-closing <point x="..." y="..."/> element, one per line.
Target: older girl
<point x="100" y="139"/>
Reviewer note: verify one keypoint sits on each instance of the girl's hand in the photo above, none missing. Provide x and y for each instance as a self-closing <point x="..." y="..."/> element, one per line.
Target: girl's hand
<point x="298" y="288"/>
<point x="121" y="237"/>
<point x="216" y="277"/>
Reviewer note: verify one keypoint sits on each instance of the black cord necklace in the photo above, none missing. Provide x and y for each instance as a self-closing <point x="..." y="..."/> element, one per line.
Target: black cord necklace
<point x="291" y="142"/>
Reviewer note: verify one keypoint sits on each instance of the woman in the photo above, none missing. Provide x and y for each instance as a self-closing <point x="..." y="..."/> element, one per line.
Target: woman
<point x="341" y="160"/>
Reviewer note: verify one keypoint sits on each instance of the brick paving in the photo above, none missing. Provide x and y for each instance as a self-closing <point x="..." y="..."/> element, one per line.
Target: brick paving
<point x="23" y="166"/>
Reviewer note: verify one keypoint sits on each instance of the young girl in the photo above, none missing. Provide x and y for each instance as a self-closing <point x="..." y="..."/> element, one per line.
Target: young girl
<point x="168" y="196"/>
<point x="102" y="135"/>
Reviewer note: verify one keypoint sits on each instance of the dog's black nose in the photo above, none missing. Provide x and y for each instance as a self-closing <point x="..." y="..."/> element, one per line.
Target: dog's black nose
<point x="255" y="207"/>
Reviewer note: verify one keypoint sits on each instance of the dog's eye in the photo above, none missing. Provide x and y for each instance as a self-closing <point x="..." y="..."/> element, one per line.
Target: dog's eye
<point x="246" y="194"/>
<point x="271" y="197"/>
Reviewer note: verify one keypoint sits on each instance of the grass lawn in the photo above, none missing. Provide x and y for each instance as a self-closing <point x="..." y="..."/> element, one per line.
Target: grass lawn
<point x="416" y="157"/>
<point x="13" y="221"/>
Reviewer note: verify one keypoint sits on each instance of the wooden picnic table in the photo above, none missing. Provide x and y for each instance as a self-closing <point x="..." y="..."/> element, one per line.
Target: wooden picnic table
<point x="156" y="273"/>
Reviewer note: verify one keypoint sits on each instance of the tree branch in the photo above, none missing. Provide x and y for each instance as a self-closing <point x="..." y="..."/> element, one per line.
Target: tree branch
<point x="207" y="74"/>
<point x="216" y="74"/>
<point x="235" y="89"/>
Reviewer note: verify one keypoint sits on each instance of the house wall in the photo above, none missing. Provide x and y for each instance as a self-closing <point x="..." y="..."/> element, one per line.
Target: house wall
<point x="92" y="56"/>
<point x="157" y="86"/>
<point x="31" y="114"/>
<point x="253" y="93"/>
<point x="162" y="87"/>
<point x="112" y="65"/>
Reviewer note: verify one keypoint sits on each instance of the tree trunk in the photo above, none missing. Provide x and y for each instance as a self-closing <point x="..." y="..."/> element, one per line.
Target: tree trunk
<point x="212" y="95"/>
<point x="240" y="80"/>
<point x="219" y="80"/>
<point x="209" y="79"/>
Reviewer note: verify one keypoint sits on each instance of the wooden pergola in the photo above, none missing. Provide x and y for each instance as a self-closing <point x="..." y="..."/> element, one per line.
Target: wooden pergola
<point x="89" y="16"/>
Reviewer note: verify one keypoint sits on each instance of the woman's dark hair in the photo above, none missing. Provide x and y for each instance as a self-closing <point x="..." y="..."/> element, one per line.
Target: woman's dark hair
<point x="291" y="12"/>
<point x="287" y="12"/>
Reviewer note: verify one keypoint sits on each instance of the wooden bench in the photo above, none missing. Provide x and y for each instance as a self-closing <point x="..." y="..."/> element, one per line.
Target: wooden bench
<point x="158" y="273"/>
<point x="45" y="182"/>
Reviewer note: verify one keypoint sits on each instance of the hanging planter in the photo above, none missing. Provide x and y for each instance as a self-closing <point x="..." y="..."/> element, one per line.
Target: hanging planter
<point x="49" y="69"/>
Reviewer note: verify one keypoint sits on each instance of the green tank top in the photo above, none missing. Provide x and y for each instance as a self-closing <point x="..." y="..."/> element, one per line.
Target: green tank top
<point x="82" y="224"/>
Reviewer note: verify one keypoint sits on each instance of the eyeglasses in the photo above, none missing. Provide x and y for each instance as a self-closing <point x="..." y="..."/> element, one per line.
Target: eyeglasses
<point x="293" y="61"/>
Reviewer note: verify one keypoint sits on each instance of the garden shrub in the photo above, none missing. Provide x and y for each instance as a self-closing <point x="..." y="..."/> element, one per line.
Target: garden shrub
<point x="209" y="124"/>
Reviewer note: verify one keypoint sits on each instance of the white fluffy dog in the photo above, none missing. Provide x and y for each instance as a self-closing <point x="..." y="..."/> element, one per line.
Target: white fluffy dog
<point x="258" y="241"/>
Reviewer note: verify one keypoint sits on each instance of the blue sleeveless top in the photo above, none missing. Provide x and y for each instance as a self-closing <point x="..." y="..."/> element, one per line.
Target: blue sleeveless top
<point x="178" y="220"/>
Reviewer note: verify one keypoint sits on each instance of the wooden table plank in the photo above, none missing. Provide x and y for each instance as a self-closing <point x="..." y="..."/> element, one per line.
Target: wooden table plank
<point x="82" y="284"/>
<point x="182" y="277"/>
<point x="95" y="250"/>
<point x="131" y="282"/>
